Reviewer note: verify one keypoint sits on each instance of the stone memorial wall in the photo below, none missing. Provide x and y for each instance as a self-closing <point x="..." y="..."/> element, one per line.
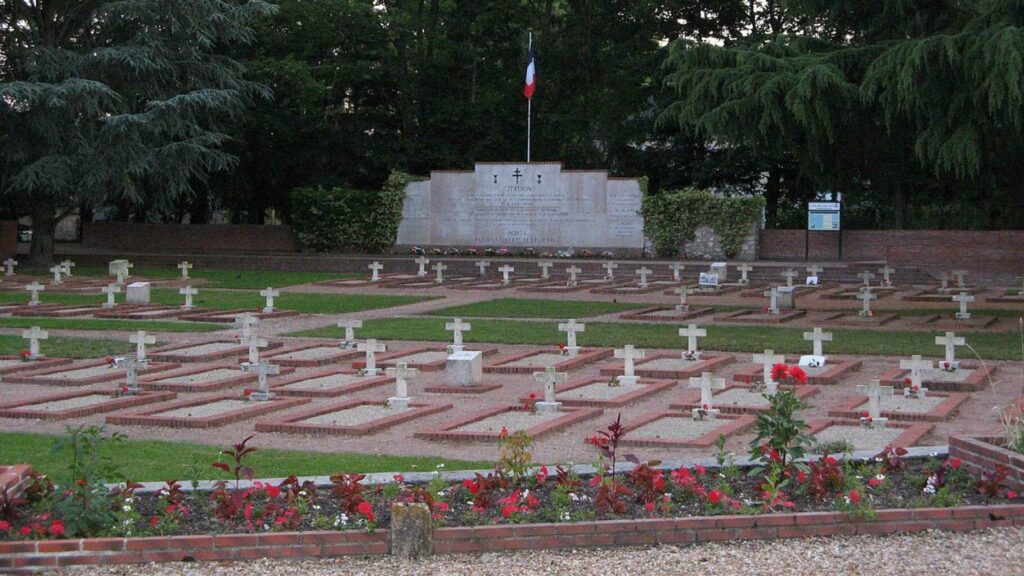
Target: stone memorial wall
<point x="523" y="205"/>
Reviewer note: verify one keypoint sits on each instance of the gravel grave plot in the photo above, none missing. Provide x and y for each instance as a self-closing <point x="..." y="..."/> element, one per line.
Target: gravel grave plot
<point x="355" y="416"/>
<point x="204" y="410"/>
<point x="898" y="403"/>
<point x="513" y="420"/>
<point x="666" y="364"/>
<point x="67" y="404"/>
<point x="670" y="313"/>
<point x="861" y="438"/>
<point x="677" y="428"/>
<point x="542" y="360"/>
<point x="203" y="377"/>
<point x="420" y="358"/>
<point x="936" y="375"/>
<point x="323" y="382"/>
<point x="203" y="349"/>
<point x="598" y="391"/>
<point x="310" y="353"/>
<point x="740" y="397"/>
<point x="150" y="313"/>
<point x="82" y="373"/>
<point x="10" y="362"/>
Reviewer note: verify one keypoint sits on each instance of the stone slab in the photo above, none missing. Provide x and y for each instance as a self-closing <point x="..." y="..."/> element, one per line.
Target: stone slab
<point x="175" y="414"/>
<point x="486" y="424"/>
<point x="367" y="417"/>
<point x="327" y="384"/>
<point x="670" y="429"/>
<point x="77" y="404"/>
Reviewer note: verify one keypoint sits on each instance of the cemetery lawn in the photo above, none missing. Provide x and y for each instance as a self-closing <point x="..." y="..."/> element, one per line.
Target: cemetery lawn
<point x="108" y="324"/>
<point x="526" y="308"/>
<point x="62" y="347"/>
<point x="990" y="346"/>
<point x="302" y="302"/>
<point x="231" y="279"/>
<point x="156" y="461"/>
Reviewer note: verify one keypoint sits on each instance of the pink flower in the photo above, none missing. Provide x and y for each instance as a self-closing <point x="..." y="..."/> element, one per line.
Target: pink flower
<point x="399" y="478"/>
<point x="854" y="497"/>
<point x="700" y="470"/>
<point x="1011" y="495"/>
<point x="801" y="477"/>
<point x="366" y="509"/>
<point x="4" y="526"/>
<point x="273" y="491"/>
<point x="649" y="506"/>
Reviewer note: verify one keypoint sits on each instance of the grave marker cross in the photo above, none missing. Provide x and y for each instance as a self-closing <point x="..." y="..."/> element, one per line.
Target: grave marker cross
<point x="950" y="341"/>
<point x="916" y="366"/>
<point x="66" y="266"/>
<point x="245" y="322"/>
<point x="743" y="270"/>
<point x="505" y="271"/>
<point x="866" y="276"/>
<point x="767" y="361"/>
<point x="110" y="290"/>
<point x="691" y="333"/>
<point x="439" y="269"/>
<point x="269" y="294"/>
<point x="963" y="298"/>
<point x="642" y="272"/>
<point x="944" y="279"/>
<point x="350" y="329"/>
<point x="131" y="364"/>
<point x="628" y="355"/>
<point x="818" y="337"/>
<point x="572" y="271"/>
<point x="960" y="278"/>
<point x="402" y="373"/>
<point x="789" y="275"/>
<point x="683" y="292"/>
<point x="9" y="264"/>
<point x="545" y="265"/>
<point x="184" y="266"/>
<point x="254" y="342"/>
<point x="773" y="299"/>
<point x="35" y="288"/>
<point x="677" y="270"/>
<point x="371" y="347"/>
<point x="375" y="269"/>
<point x="457" y="327"/>
<point x="140" y="339"/>
<point x="865" y="296"/>
<point x="188" y="292"/>
<point x="874" y="392"/>
<point x="56" y="269"/>
<point x="34" y="335"/>
<point x="261" y="369"/>
<point x="482" y="265"/>
<point x="609" y="268"/>
<point x="707" y="382"/>
<point x="571" y="327"/>
<point x="422" y="262"/>
<point x="886" y="272"/>
<point x="549" y="378"/>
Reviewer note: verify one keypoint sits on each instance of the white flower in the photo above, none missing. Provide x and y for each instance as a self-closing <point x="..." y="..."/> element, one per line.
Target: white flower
<point x="441" y="465"/>
<point x="565" y="516"/>
<point x="126" y="508"/>
<point x="880" y="477"/>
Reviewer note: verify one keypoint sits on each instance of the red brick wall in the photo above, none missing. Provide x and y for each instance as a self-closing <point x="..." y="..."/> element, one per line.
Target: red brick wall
<point x="187" y="238"/>
<point x="8" y="238"/>
<point x="997" y="252"/>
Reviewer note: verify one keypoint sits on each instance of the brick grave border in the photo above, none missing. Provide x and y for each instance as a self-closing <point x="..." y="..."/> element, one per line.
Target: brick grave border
<point x="731" y="424"/>
<point x="365" y="383"/>
<point x="849" y="408"/>
<point x="836" y="371"/>
<point x="364" y="282"/>
<point x="983" y="453"/>
<point x="976" y="381"/>
<point x="427" y="282"/>
<point x="17" y="410"/>
<point x="168" y="353"/>
<point x="144" y="312"/>
<point x="448" y="430"/>
<point x="586" y="356"/>
<point x="489" y="284"/>
<point x="649" y="388"/>
<point x="158" y="382"/>
<point x="32" y="365"/>
<point x="691" y="399"/>
<point x="13" y="481"/>
<point x="1004" y="299"/>
<point x="647" y="314"/>
<point x="390" y="359"/>
<point x="631" y="287"/>
<point x="553" y="286"/>
<point x="228" y="316"/>
<point x="451" y="389"/>
<point x="944" y="322"/>
<point x="798" y="289"/>
<point x="720" y="290"/>
<point x="44" y="377"/>
<point x="933" y="294"/>
<point x="292" y="424"/>
<point x="707" y="363"/>
<point x="740" y="317"/>
<point x="151" y="416"/>
<point x="852" y="320"/>
<point x="912" y="431"/>
<point x="60" y="311"/>
<point x="340" y="355"/>
<point x="850" y="292"/>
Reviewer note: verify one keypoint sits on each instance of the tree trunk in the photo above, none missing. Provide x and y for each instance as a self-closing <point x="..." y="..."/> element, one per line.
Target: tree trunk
<point x="772" y="191"/>
<point x="44" y="224"/>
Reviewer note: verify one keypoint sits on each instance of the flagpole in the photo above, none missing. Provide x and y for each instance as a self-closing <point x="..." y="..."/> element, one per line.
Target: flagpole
<point x="529" y="109"/>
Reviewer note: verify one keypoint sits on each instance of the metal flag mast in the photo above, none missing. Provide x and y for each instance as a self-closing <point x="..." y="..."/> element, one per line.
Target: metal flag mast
<point x="529" y="104"/>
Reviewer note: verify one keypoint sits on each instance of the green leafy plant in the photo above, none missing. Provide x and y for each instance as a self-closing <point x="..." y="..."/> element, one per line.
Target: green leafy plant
<point x="671" y="219"/>
<point x="514" y="456"/>
<point x="778" y="431"/>
<point x="86" y="505"/>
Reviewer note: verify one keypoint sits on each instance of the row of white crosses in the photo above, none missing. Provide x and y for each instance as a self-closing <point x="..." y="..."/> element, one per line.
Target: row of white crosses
<point x="9" y="265"/>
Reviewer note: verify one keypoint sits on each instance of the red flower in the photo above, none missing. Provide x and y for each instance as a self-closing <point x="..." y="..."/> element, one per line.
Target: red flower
<point x="865" y="414"/>
<point x="598" y="441"/>
<point x="649" y="506"/>
<point x="774" y="456"/>
<point x="542" y="475"/>
<point x="25" y="354"/>
<point x="780" y="372"/>
<point x="273" y="491"/>
<point x="153" y="522"/>
<point x="874" y="482"/>
<point x="705" y="407"/>
<point x="442" y="507"/>
<point x="715" y="496"/>
<point x="700" y="470"/>
<point x="57" y="528"/>
<point x="532" y="396"/>
<point x="854" y="497"/>
<point x="399" y="478"/>
<point x="831" y="461"/>
<point x="4" y="526"/>
<point x="366" y="509"/>
<point x="503" y="434"/>
<point x="595" y="481"/>
<point x="954" y="463"/>
<point x="509" y="510"/>
<point x="801" y="476"/>
<point x="25" y="531"/>
<point x="470" y="485"/>
<point x="907" y="382"/>
<point x="247" y="392"/>
<point x="1011" y="495"/>
<point x="532" y="502"/>
<point x="798" y="374"/>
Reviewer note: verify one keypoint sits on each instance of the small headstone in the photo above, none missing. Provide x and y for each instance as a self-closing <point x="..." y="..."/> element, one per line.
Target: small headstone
<point x="375" y="269"/>
<point x="572" y="271"/>
<point x="34" y="335"/>
<point x="188" y="292"/>
<point x="120" y="268"/>
<point x="677" y="270"/>
<point x="707" y="383"/>
<point x="439" y="269"/>
<point x="571" y="327"/>
<point x="874" y="392"/>
<point x="9" y="265"/>
<point x="35" y="288"/>
<point x="744" y="269"/>
<point x="412" y="531"/>
<point x="959" y="274"/>
<point x="963" y="298"/>
<point x="371" y="347"/>
<point x="628" y="355"/>
<point x="131" y="364"/>
<point x="944" y="280"/>
<point x="609" y="269"/>
<point x="549" y="379"/>
<point x="269" y="293"/>
<point x="642" y="272"/>
<point x="505" y="271"/>
<point x="422" y="262"/>
<point x="482" y="265"/>
<point x="917" y="366"/>
<point x="137" y="293"/>
<point x="545" y="267"/>
<point x="457" y="327"/>
<point x="707" y="280"/>
<point x="184" y="266"/>
<point x="245" y="323"/>
<point x="66" y="266"/>
<point x="350" y="331"/>
<point x="261" y="369"/>
<point x="767" y="361"/>
<point x="402" y="373"/>
<point x="865" y="296"/>
<point x="111" y="290"/>
<point x="813" y="273"/>
<point x="56" y="269"/>
<point x="465" y="368"/>
<point x="140" y="339"/>
<point x="683" y="292"/>
<point x="721" y="269"/>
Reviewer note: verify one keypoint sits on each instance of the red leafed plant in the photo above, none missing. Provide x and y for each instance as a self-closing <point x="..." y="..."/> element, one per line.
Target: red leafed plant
<point x="649" y="481"/>
<point x="991" y="482"/>
<point x="238" y="453"/>
<point x="825" y="478"/>
<point x="892" y="459"/>
<point x="349" y="490"/>
<point x="483" y="489"/>
<point x="611" y="497"/>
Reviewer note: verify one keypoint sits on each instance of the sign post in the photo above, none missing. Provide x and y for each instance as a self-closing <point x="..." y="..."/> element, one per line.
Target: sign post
<point x="823" y="217"/>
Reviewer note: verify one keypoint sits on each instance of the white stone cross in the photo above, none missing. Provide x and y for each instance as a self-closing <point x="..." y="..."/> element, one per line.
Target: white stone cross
<point x="767" y="361"/>
<point x="34" y="335"/>
<point x="188" y="292"/>
<point x="549" y="378"/>
<point x="628" y="355"/>
<point x="371" y="347"/>
<point x="950" y="341"/>
<point x="261" y="369"/>
<point x="131" y="365"/>
<point x="743" y="270"/>
<point x="402" y="374"/>
<point x="422" y="262"/>
<point x="572" y="271"/>
<point x="814" y="270"/>
<point x="960" y="278"/>
<point x="439" y="269"/>
<point x="773" y="295"/>
<point x="184" y="266"/>
<point x="692" y="332"/>
<point x="571" y="328"/>
<point x="874" y="392"/>
<point x="269" y="294"/>
<point x="122" y="271"/>
<point x="245" y="322"/>
<point x="140" y="339"/>
<point x="110" y="290"/>
<point x="866" y="276"/>
<point x="9" y="264"/>
<point x="916" y="366"/>
<point x="707" y="382"/>
<point x="482" y="265"/>
<point x="545" y="266"/>
<point x="865" y="296"/>
<point x="375" y="269"/>
<point x="505" y="271"/>
<point x="350" y="329"/>
<point x="35" y="288"/>
<point x="683" y="292"/>
<point x="457" y="327"/>
<point x="66" y="266"/>
<point x="789" y="275"/>
<point x="254" y="342"/>
<point x="642" y="272"/>
<point x="963" y="298"/>
<point x="886" y="272"/>
<point x="944" y="279"/>
<point x="677" y="270"/>
<point x="818" y="337"/>
<point x="609" y="268"/>
<point x="57" y="269"/>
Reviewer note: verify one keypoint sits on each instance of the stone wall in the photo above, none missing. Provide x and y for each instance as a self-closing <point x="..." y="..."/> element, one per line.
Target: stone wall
<point x="707" y="246"/>
<point x="8" y="238"/>
<point x="187" y="238"/>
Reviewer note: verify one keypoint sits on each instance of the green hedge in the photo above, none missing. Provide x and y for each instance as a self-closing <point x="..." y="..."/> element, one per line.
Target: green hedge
<point x="343" y="219"/>
<point x="671" y="219"/>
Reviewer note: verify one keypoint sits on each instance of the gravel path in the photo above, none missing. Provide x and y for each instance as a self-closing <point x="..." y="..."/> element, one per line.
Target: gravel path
<point x="988" y="552"/>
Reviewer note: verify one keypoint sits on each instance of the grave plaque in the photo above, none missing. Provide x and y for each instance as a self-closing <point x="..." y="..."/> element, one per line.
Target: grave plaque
<point x="465" y="368"/>
<point x="137" y="293"/>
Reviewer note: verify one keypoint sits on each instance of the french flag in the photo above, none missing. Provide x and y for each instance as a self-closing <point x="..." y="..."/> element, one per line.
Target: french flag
<point x="531" y="78"/>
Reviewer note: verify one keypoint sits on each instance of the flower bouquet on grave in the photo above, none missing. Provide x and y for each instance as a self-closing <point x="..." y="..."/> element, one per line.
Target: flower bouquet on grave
<point x="451" y="251"/>
<point x="701" y="414"/>
<point x="436" y="251"/>
<point x="529" y="252"/>
<point x="563" y="349"/>
<point x="418" y="251"/>
<point x="783" y="374"/>
<point x="607" y="254"/>
<point x="866" y="421"/>
<point x="866" y="313"/>
<point x="614" y="382"/>
<point x="529" y="404"/>
<point x="910" y="390"/>
<point x="947" y="366"/>
<point x="488" y="251"/>
<point x="110" y="361"/>
<point x="472" y="252"/>
<point x="247" y="392"/>
<point x="121" y="390"/>
<point x="586" y="254"/>
<point x="547" y="254"/>
<point x="26" y="356"/>
<point x="691" y="355"/>
<point x="503" y="252"/>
